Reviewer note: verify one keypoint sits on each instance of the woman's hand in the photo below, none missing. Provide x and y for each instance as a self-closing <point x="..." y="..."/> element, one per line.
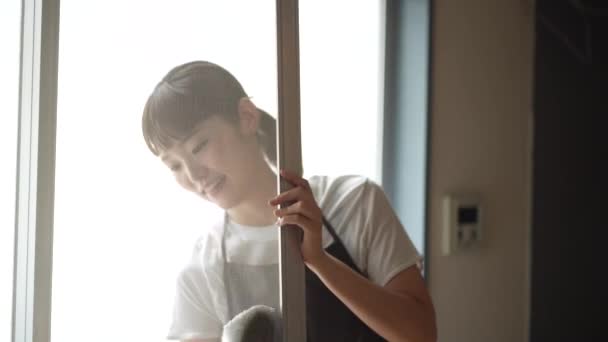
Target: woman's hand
<point x="302" y="211"/>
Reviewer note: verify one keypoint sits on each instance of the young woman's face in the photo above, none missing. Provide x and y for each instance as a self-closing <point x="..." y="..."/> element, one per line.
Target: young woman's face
<point x="216" y="161"/>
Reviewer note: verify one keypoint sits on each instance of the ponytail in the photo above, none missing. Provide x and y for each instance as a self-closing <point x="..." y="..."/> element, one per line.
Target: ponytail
<point x="268" y="136"/>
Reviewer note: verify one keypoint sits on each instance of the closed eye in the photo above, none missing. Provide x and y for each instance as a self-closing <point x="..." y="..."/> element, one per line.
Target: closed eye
<point x="200" y="146"/>
<point x="174" y="167"/>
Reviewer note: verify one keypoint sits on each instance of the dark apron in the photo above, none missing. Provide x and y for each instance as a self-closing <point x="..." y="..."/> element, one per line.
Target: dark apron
<point x="327" y="318"/>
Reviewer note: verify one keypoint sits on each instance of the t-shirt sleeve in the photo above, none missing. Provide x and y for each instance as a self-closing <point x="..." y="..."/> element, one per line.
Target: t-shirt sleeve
<point x="193" y="313"/>
<point x="389" y="248"/>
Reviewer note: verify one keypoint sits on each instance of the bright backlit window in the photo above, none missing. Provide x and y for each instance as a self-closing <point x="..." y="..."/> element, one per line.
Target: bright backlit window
<point x="341" y="87"/>
<point x="123" y="228"/>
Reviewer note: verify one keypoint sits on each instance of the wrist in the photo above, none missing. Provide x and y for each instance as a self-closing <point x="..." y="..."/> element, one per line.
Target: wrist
<point x="318" y="263"/>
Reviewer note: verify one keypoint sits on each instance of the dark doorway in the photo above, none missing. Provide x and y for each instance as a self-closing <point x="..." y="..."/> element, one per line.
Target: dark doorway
<point x="570" y="203"/>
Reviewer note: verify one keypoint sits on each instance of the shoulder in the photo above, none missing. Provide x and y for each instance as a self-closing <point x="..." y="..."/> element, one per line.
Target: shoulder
<point x="333" y="192"/>
<point x="345" y="193"/>
<point x="322" y="184"/>
<point x="347" y="203"/>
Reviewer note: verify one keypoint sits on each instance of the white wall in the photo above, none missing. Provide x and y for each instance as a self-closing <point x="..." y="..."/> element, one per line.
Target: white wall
<point x="481" y="91"/>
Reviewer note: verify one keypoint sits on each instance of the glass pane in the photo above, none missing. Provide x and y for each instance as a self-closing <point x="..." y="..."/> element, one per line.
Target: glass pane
<point x="10" y="20"/>
<point x="137" y="255"/>
<point x="341" y="85"/>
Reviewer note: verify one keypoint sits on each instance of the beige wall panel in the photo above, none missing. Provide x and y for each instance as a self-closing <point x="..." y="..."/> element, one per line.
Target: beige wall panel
<point x="480" y="142"/>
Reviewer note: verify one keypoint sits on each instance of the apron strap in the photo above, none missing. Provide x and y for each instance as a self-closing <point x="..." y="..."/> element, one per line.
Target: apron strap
<point x="337" y="240"/>
<point x="229" y="301"/>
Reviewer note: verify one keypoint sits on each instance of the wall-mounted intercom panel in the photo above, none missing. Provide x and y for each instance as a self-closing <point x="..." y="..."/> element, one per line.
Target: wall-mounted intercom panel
<point x="461" y="223"/>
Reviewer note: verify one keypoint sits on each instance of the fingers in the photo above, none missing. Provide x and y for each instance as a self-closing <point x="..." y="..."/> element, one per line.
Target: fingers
<point x="300" y="191"/>
<point x="291" y="195"/>
<point x="299" y="220"/>
<point x="295" y="179"/>
<point x="301" y="208"/>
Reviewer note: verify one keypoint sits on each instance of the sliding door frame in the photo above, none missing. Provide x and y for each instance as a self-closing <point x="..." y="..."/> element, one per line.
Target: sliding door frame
<point x="289" y="156"/>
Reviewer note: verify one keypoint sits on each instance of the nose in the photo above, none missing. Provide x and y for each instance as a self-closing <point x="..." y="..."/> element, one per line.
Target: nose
<point x="196" y="174"/>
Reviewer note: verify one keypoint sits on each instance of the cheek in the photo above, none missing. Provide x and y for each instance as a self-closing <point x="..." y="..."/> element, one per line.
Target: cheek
<point x="183" y="181"/>
<point x="237" y="154"/>
<point x="217" y="158"/>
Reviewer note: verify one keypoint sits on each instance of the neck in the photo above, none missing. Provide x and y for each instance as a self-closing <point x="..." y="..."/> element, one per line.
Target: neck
<point x="255" y="210"/>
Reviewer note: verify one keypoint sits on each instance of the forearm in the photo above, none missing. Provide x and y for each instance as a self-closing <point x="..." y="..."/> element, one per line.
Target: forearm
<point x="395" y="316"/>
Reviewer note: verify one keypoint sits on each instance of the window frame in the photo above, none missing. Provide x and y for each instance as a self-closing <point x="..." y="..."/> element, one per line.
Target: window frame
<point x="289" y="156"/>
<point x="407" y="107"/>
<point x="36" y="170"/>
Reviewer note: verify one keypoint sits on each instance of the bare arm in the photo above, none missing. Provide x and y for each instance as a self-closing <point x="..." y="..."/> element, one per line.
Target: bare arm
<point x="400" y="311"/>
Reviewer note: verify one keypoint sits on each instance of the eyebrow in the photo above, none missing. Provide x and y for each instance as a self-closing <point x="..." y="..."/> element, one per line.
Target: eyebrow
<point x="194" y="132"/>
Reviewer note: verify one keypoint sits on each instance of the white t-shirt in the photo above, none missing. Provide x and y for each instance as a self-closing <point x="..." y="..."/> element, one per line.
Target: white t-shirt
<point x="356" y="207"/>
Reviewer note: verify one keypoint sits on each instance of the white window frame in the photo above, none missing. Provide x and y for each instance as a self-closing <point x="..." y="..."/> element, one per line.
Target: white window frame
<point x="36" y="170"/>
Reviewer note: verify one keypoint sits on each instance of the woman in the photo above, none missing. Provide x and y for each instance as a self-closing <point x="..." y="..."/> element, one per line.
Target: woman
<point x="362" y="279"/>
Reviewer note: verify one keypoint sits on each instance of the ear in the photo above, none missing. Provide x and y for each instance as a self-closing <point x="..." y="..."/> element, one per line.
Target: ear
<point x="249" y="117"/>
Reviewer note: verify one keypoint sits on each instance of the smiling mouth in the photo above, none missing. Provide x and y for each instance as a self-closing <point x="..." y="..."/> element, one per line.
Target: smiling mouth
<point x="214" y="187"/>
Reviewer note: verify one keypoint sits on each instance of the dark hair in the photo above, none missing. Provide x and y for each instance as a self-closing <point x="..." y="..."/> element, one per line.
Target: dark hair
<point x="191" y="93"/>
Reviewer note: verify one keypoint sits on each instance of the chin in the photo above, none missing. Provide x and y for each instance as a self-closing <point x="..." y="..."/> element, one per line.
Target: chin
<point x="223" y="202"/>
<point x="222" y="205"/>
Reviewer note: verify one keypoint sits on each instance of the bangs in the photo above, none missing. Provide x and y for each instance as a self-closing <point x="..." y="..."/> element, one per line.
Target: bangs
<point x="186" y="96"/>
<point x="171" y="114"/>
